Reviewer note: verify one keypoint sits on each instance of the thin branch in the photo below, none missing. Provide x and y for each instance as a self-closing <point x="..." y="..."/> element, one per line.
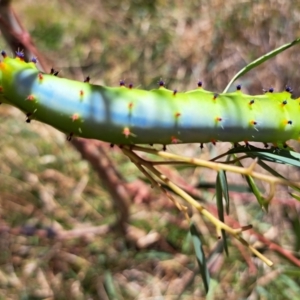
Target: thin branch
<point x="217" y="166"/>
<point x="219" y="225"/>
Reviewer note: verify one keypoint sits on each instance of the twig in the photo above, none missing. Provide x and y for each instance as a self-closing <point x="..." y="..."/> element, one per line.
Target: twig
<point x="219" y="225"/>
<point x="217" y="166"/>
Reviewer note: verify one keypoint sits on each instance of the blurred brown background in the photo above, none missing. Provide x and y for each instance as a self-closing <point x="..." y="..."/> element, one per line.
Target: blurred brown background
<point x="58" y="238"/>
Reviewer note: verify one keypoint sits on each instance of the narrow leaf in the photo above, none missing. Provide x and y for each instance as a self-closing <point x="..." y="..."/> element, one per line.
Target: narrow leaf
<point x="297" y="197"/>
<point x="200" y="256"/>
<point x="261" y="200"/>
<point x="259" y="61"/>
<point x="281" y="156"/>
<point x="219" y="196"/>
<point x="224" y="186"/>
<point x="109" y="285"/>
<point x="270" y="169"/>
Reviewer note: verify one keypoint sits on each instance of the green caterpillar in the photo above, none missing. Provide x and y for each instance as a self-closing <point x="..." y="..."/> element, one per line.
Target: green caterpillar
<point x="124" y="115"/>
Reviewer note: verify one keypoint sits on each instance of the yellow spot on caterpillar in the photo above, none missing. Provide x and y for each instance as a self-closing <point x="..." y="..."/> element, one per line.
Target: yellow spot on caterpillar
<point x="41" y="77"/>
<point x="218" y="119"/>
<point x="252" y="122"/>
<point x="81" y="93"/>
<point x="287" y="122"/>
<point x="283" y="103"/>
<point x="177" y="115"/>
<point x="251" y="102"/>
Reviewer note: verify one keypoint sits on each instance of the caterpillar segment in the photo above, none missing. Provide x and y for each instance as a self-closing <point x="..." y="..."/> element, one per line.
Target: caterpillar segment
<point x="126" y="115"/>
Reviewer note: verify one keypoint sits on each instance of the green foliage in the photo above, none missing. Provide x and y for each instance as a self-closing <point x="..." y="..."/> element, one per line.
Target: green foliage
<point x="259" y="61"/>
<point x="200" y="256"/>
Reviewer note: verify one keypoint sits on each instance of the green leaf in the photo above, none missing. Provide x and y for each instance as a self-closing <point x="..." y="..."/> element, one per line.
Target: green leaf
<point x="292" y="271"/>
<point x="224" y="185"/>
<point x="200" y="256"/>
<point x="270" y="169"/>
<point x="109" y="285"/>
<point x="280" y="156"/>
<point x="291" y="214"/>
<point x="219" y="196"/>
<point x="255" y="190"/>
<point x="297" y="197"/>
<point x="291" y="286"/>
<point x="222" y="189"/>
<point x="259" y="61"/>
<point x="231" y="187"/>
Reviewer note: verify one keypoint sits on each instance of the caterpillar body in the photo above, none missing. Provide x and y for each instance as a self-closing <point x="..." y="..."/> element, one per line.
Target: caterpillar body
<point x="125" y="115"/>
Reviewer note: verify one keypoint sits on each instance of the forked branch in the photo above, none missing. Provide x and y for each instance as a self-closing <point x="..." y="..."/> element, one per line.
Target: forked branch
<point x="148" y="169"/>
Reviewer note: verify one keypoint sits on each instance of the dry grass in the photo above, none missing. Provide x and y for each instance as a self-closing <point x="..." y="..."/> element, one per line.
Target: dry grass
<point x="56" y="239"/>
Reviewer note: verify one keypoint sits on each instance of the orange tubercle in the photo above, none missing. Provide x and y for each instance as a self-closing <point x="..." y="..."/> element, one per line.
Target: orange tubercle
<point x="175" y="140"/>
<point x="2" y="65"/>
<point x="130" y="105"/>
<point x="30" y="98"/>
<point x="75" y="117"/>
<point x="126" y="132"/>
